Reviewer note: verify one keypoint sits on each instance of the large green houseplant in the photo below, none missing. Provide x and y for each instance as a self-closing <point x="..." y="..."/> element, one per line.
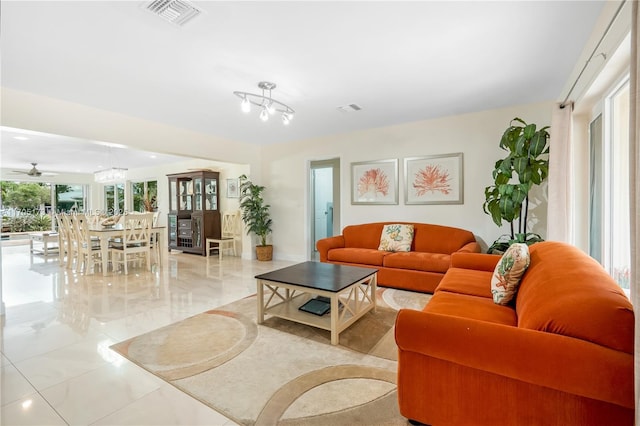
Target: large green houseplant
<point x="526" y="165"/>
<point x="256" y="216"/>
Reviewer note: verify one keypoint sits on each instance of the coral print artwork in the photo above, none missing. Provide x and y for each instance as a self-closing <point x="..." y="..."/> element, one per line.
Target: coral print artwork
<point x="374" y="182"/>
<point x="433" y="178"/>
<point x="436" y="179"/>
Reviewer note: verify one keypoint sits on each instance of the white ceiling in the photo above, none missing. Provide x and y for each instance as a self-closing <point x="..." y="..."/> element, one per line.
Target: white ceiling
<point x="61" y="154"/>
<point x="400" y="61"/>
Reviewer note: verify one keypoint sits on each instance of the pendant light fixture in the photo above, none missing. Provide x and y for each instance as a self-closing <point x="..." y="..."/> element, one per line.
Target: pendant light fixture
<point x="268" y="106"/>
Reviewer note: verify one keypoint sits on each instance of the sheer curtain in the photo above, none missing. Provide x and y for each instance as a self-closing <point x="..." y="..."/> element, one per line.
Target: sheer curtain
<point x="634" y="191"/>
<point x="560" y="205"/>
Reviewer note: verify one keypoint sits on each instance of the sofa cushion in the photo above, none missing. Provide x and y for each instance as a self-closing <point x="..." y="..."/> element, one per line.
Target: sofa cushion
<point x="508" y="272"/>
<point x="467" y="281"/>
<point x="430" y="262"/>
<point x="471" y="307"/>
<point x="396" y="237"/>
<point x="567" y="292"/>
<point x="357" y="256"/>
<point x="430" y="238"/>
<point x="366" y="235"/>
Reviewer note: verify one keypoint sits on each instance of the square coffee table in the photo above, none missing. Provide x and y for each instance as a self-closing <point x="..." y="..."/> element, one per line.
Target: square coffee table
<point x="351" y="290"/>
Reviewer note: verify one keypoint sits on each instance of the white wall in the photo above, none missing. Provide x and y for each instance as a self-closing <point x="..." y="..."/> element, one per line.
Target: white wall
<point x="476" y="135"/>
<point x="283" y="168"/>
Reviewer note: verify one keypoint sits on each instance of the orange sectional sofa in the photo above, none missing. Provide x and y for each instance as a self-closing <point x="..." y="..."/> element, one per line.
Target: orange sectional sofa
<point x="420" y="269"/>
<point x="562" y="354"/>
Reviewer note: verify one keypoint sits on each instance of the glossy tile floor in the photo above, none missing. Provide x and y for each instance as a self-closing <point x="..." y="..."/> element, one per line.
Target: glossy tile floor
<point x="57" y="367"/>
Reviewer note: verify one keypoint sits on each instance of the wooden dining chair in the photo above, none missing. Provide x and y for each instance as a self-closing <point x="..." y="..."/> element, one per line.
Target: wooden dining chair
<point x="228" y="235"/>
<point x="155" y="248"/>
<point x="63" y="240"/>
<point x="136" y="241"/>
<point x="89" y="253"/>
<point x="72" y="246"/>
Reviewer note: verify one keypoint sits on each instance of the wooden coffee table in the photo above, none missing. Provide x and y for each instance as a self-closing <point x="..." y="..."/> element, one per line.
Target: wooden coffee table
<point x="351" y="290"/>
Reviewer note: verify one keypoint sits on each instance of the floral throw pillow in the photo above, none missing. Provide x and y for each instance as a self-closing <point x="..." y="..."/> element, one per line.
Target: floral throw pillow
<point x="508" y="272"/>
<point x="396" y="237"/>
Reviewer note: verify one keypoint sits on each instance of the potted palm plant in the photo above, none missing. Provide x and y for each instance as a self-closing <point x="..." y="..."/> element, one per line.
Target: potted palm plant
<point x="508" y="199"/>
<point x="256" y="216"/>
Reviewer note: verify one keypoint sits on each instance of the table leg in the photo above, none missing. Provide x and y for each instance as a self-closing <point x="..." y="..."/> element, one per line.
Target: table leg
<point x="104" y="251"/>
<point x="373" y="284"/>
<point x="260" y="302"/>
<point x="334" y="320"/>
<point x="163" y="247"/>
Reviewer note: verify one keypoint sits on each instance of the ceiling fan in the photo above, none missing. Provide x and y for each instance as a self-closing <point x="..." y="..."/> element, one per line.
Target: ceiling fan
<point x="34" y="172"/>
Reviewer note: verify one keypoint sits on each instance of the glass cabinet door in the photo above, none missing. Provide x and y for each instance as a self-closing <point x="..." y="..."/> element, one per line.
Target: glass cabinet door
<point x="197" y="193"/>
<point x="196" y="229"/>
<point x="211" y="194"/>
<point x="185" y="199"/>
<point x="173" y="230"/>
<point x="173" y="195"/>
<point x="185" y="202"/>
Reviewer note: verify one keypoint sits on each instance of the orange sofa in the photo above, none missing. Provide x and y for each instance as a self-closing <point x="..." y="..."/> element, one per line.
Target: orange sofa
<point x="561" y="355"/>
<point x="420" y="269"/>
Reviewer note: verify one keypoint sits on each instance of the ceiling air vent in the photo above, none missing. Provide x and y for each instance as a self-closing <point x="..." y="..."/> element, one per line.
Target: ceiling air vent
<point x="349" y="108"/>
<point x="178" y="12"/>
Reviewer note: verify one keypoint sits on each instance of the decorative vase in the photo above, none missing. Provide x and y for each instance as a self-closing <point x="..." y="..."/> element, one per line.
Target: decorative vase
<point x="264" y="253"/>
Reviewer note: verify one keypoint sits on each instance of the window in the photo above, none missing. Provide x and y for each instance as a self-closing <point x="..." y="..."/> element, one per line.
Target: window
<point x="609" y="199"/>
<point x="142" y="191"/>
<point x="114" y="198"/>
<point x="69" y="198"/>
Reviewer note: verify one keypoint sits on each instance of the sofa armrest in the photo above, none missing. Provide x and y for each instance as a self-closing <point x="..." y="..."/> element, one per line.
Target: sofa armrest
<point x="476" y="261"/>
<point x="559" y="362"/>
<point x="325" y="244"/>
<point x="472" y="247"/>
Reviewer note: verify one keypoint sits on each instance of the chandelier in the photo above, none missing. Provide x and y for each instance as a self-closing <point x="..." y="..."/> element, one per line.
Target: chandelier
<point x="266" y="103"/>
<point x="113" y="174"/>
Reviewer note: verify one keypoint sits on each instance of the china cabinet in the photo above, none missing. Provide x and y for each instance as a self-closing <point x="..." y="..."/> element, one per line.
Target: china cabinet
<point x="194" y="213"/>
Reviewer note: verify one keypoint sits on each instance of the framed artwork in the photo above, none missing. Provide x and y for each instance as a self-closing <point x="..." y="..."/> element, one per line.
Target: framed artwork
<point x="374" y="182"/>
<point x="436" y="179"/>
<point x="233" y="188"/>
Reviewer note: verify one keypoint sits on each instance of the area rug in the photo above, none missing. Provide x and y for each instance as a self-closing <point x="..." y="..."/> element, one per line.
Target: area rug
<point x="281" y="372"/>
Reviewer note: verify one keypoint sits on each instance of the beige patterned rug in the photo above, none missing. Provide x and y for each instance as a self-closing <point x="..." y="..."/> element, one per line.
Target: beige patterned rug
<point x="281" y="372"/>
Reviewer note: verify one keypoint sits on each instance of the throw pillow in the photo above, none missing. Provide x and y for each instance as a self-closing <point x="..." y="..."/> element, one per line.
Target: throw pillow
<point x="508" y="272"/>
<point x="396" y="237"/>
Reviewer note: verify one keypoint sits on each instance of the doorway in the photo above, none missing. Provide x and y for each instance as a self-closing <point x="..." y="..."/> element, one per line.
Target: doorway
<point x="324" y="211"/>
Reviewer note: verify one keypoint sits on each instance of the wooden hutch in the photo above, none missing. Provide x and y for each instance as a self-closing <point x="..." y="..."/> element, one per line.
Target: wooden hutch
<point x="194" y="214"/>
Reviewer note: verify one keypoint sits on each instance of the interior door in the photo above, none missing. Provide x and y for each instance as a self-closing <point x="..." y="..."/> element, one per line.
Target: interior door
<point x="324" y="201"/>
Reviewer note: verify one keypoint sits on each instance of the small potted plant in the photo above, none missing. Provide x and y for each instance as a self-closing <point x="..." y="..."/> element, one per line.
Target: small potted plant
<point x="256" y="216"/>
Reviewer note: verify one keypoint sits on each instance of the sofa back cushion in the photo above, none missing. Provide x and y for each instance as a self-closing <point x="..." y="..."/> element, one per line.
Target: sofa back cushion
<point x="566" y="292"/>
<point x="427" y="238"/>
<point x="363" y="236"/>
<point x="440" y="239"/>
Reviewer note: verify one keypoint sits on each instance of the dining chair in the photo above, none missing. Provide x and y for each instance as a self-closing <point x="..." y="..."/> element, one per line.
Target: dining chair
<point x="72" y="246"/>
<point x="136" y="241"/>
<point x="153" y="241"/>
<point x="89" y="253"/>
<point x="63" y="240"/>
<point x="228" y="235"/>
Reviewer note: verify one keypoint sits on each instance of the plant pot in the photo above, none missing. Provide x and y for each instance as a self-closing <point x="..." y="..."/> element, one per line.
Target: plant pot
<point x="264" y="253"/>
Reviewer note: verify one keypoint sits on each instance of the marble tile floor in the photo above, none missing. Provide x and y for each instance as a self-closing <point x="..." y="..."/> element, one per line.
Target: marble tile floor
<point x="56" y="365"/>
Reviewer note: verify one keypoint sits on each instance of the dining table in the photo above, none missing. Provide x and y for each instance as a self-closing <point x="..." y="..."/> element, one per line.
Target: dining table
<point x="105" y="233"/>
